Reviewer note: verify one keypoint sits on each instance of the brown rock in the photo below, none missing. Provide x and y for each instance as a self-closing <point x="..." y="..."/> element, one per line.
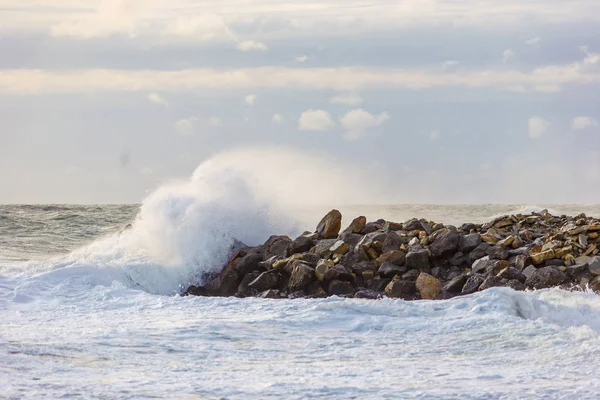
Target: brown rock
<point x="356" y="225"/>
<point x="330" y="225"/>
<point x="400" y="289"/>
<point x="340" y="288"/>
<point x="395" y="257"/>
<point x="429" y="286"/>
<point x="301" y="276"/>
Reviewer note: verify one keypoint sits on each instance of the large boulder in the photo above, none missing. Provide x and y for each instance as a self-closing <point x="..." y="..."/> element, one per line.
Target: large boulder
<point x="244" y="289"/>
<point x="396" y="257"/>
<point x="266" y="280"/>
<point x="429" y="286"/>
<point x="456" y="284"/>
<point x="226" y="283"/>
<point x="398" y="289"/>
<point x="301" y="276"/>
<point x="418" y="259"/>
<point x="276" y="246"/>
<point x="329" y="227"/>
<point x="247" y="264"/>
<point x="472" y="284"/>
<point x="445" y="243"/>
<point x="546" y="277"/>
<point x="338" y="272"/>
<point x="301" y="244"/>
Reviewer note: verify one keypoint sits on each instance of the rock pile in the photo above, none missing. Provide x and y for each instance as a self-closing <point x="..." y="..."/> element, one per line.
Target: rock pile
<point x="417" y="259"/>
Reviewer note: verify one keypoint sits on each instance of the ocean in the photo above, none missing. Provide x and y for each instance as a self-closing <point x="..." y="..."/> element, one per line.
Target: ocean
<point x="90" y="308"/>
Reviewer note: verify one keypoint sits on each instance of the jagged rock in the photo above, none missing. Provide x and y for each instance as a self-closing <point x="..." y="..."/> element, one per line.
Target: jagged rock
<point x="330" y="225"/>
<point x="356" y="225"/>
<point x="368" y="294"/>
<point x="510" y="273"/>
<point x="546" y="277"/>
<point x="266" y="280"/>
<point x="301" y="276"/>
<point x="323" y="247"/>
<point x="458" y="259"/>
<point x="428" y="286"/>
<point x="482" y="265"/>
<point x="415" y="225"/>
<point x="444" y="244"/>
<point x="388" y="270"/>
<point x="456" y="284"/>
<point x="194" y="290"/>
<point x="226" y="283"/>
<point x="592" y="262"/>
<point x="468" y="227"/>
<point x="396" y="257"/>
<point x="286" y="265"/>
<point x="472" y="284"/>
<point x="371" y="227"/>
<point x="478" y="252"/>
<point x="400" y="289"/>
<point x="529" y="271"/>
<point x="243" y="289"/>
<point x="271" y="294"/>
<point x="247" y="264"/>
<point x="301" y="244"/>
<point x="311" y="258"/>
<point x="340" y="288"/>
<point x="392" y="242"/>
<point x="522" y="261"/>
<point x="338" y="272"/>
<point x="351" y="238"/>
<point x="577" y="269"/>
<point x="276" y="246"/>
<point x="418" y="259"/>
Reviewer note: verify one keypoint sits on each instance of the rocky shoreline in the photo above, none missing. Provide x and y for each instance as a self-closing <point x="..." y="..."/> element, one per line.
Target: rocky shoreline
<point x="417" y="259"/>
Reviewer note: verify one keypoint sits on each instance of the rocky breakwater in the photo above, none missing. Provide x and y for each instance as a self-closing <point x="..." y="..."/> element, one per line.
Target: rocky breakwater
<point x="417" y="259"/>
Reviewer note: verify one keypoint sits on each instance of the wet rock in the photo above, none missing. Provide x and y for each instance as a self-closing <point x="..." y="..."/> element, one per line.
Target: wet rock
<point x="194" y="290"/>
<point x="472" y="284"/>
<point x="411" y="275"/>
<point x="546" y="277"/>
<point x="515" y="285"/>
<point x="356" y="225"/>
<point x="243" y="289"/>
<point x="522" y="261"/>
<point x="271" y="294"/>
<point x="577" y="269"/>
<point x="428" y="286"/>
<point x="398" y="289"/>
<point x="266" y="280"/>
<point x="445" y="243"/>
<point x="301" y="276"/>
<point x="492" y="281"/>
<point x="529" y="271"/>
<point x="388" y="270"/>
<point x="276" y="246"/>
<point x="482" y="265"/>
<point x="511" y="273"/>
<point x="368" y="294"/>
<point x="329" y="227"/>
<point x="247" y="264"/>
<point x="340" y="288"/>
<point x="456" y="284"/>
<point x="418" y="259"/>
<point x="468" y="227"/>
<point x="226" y="283"/>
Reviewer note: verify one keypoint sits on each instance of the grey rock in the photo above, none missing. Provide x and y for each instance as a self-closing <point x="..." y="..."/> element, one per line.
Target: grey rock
<point x="243" y="289"/>
<point x="301" y="276"/>
<point x="497" y="252"/>
<point x="378" y="285"/>
<point x="338" y="272"/>
<point x="444" y="244"/>
<point x="418" y="259"/>
<point x="340" y="288"/>
<point x="472" y="284"/>
<point x="400" y="289"/>
<point x="478" y="252"/>
<point x="469" y="242"/>
<point x="301" y="244"/>
<point x="511" y="273"/>
<point x="456" y="284"/>
<point x="529" y="271"/>
<point x="388" y="270"/>
<point x="411" y="275"/>
<point x="368" y="294"/>
<point x="546" y="277"/>
<point x="271" y="294"/>
<point x="266" y="280"/>
<point x="492" y="281"/>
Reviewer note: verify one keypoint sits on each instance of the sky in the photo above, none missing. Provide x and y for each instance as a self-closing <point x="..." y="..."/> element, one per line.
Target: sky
<point x="455" y="101"/>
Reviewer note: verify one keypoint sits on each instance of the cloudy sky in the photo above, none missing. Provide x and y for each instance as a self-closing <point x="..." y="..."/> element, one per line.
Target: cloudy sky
<point x="445" y="101"/>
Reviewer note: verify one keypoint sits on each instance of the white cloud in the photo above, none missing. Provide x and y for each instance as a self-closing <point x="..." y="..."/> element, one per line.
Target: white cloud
<point x="302" y="59"/>
<point x="198" y="28"/>
<point x="277" y="118"/>
<point x="33" y="81"/>
<point x="186" y="126"/>
<point x="537" y="127"/>
<point x="214" y="121"/>
<point x="251" y="45"/>
<point x="508" y="55"/>
<point x="315" y="120"/>
<point x="434" y="135"/>
<point x="348" y="99"/>
<point x="580" y="123"/>
<point x="358" y="122"/>
<point x="535" y="41"/>
<point x="157" y="99"/>
<point x="146" y="171"/>
<point x="250" y="99"/>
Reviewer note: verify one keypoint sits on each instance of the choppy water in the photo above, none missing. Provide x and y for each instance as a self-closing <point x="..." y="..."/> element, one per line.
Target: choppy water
<point x="88" y="311"/>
